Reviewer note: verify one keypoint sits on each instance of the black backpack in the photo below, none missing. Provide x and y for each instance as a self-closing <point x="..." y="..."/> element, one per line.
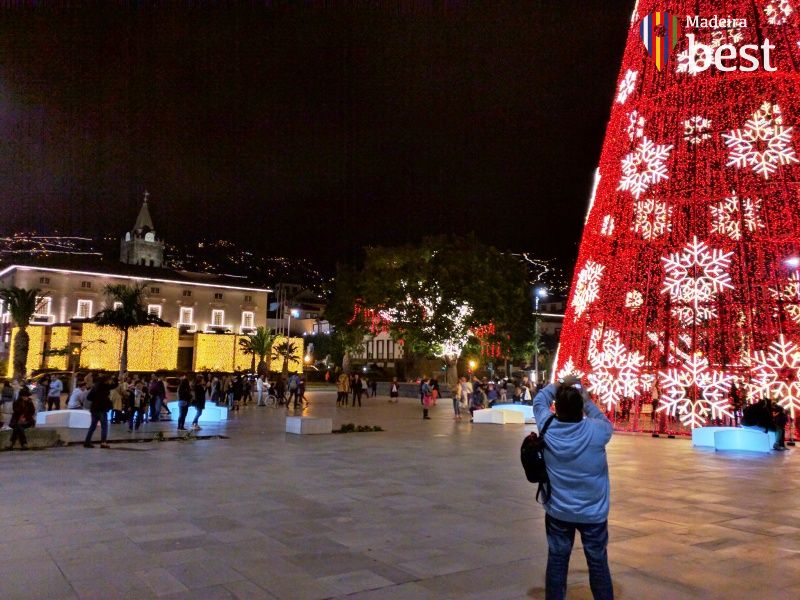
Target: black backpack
<point x="532" y="456"/>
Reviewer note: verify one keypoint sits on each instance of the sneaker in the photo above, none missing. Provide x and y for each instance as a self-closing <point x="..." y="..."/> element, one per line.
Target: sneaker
<point x="88" y="445"/>
<point x="105" y="446"/>
<point x="181" y="428"/>
<point x="197" y="427"/>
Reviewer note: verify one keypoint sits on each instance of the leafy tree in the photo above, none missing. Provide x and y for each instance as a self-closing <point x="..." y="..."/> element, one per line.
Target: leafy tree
<point x="21" y="304"/>
<point x="349" y="330"/>
<point x="435" y="293"/>
<point x="130" y="313"/>
<point x="285" y="351"/>
<point x="258" y="344"/>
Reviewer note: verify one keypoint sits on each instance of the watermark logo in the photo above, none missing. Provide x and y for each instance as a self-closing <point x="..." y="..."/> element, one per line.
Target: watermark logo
<point x="659" y="32"/>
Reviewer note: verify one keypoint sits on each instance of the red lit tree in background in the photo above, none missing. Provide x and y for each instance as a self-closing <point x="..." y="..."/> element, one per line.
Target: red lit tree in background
<point x="684" y="284"/>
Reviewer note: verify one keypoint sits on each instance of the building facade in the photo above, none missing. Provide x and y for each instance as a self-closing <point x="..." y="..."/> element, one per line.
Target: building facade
<point x="72" y="292"/>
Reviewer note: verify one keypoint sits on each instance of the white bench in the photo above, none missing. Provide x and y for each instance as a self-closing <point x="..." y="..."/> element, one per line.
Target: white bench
<point x="497" y="416"/>
<point x="525" y="409"/>
<point x="211" y="413"/>
<point x="309" y="425"/>
<point x="70" y="418"/>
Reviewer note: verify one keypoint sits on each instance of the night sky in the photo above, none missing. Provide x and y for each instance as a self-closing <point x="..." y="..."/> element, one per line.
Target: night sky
<point x="310" y="131"/>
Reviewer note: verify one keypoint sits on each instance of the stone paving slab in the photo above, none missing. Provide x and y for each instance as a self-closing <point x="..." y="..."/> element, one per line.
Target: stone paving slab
<point x="426" y="509"/>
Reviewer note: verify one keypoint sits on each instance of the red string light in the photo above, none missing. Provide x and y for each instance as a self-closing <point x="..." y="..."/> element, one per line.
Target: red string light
<point x="684" y="283"/>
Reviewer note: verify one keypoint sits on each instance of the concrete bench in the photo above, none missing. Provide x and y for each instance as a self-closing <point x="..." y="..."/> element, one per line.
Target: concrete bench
<point x="69" y="418"/>
<point x="525" y="409"/>
<point x="744" y="438"/>
<point x="497" y="416"/>
<point x="38" y="437"/>
<point x="211" y="413"/>
<point x="309" y="425"/>
<point x="704" y="436"/>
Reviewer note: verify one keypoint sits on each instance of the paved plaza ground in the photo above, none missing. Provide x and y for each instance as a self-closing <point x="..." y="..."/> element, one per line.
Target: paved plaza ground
<point x="424" y="510"/>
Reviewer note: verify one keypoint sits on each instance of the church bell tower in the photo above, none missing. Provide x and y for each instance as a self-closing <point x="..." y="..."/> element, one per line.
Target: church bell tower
<point x="140" y="246"/>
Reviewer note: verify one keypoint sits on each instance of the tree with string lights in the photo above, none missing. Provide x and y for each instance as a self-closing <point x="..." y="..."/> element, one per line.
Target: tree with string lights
<point x="686" y="282"/>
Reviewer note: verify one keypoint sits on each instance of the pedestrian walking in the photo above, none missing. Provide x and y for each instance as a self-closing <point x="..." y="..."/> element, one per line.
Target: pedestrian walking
<point x="54" y="394"/>
<point x="342" y="389"/>
<point x="575" y="458"/>
<point x="427" y="397"/>
<point x="358" y="388"/>
<point x="136" y="403"/>
<point x="99" y="400"/>
<point x="184" y="398"/>
<point x="394" y="391"/>
<point x="23" y="417"/>
<point x="200" y="391"/>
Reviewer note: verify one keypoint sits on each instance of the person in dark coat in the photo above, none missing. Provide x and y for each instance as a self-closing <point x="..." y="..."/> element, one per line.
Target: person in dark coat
<point x="99" y="398"/>
<point x="184" y="398"/>
<point x="200" y="388"/>
<point x="23" y="417"/>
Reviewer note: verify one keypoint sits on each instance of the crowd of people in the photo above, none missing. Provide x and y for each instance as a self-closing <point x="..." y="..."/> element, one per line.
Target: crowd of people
<point x="352" y="385"/>
<point x="136" y="399"/>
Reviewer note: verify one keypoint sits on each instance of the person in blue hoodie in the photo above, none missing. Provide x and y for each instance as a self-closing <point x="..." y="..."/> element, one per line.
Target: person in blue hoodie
<point x="576" y="462"/>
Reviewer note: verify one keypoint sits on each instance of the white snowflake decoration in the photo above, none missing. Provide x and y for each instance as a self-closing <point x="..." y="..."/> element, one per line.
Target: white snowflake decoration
<point x="778" y="11"/>
<point x="626" y="86"/>
<point x="763" y="144"/>
<point x="644" y="167"/>
<point x="788" y="296"/>
<point x="729" y="216"/>
<point x="777" y="373"/>
<point x="651" y="218"/>
<point x="694" y="390"/>
<point x="587" y="290"/>
<point x="607" y="228"/>
<point x="696" y="129"/>
<point x="569" y="369"/>
<point x="634" y="299"/>
<point x="636" y="124"/>
<point x="615" y="369"/>
<point x="693" y="278"/>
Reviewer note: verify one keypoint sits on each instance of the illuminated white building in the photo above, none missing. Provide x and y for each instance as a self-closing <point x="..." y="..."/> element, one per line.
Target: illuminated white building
<point x="72" y="289"/>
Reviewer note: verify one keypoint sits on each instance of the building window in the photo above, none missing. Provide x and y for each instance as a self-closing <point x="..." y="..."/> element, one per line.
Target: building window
<point x="379" y="348"/>
<point x="248" y="298"/>
<point x="43" y="304"/>
<point x="44" y="280"/>
<point x="155" y="290"/>
<point x="217" y="296"/>
<point x="154" y="309"/>
<point x="187" y="293"/>
<point x="389" y="348"/>
<point x="186" y="316"/>
<point x="84" y="309"/>
<point x="248" y="319"/>
<point x="117" y="305"/>
<point x="308" y="315"/>
<point x="369" y="349"/>
<point x="86" y="284"/>
<point x="218" y="317"/>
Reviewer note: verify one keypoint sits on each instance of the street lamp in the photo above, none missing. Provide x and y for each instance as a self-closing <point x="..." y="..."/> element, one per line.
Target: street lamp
<point x="292" y="313"/>
<point x="539" y="293"/>
<point x="472" y="365"/>
<point x="793" y="262"/>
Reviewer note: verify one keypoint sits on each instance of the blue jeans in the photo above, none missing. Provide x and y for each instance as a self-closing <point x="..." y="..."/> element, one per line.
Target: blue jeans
<point x="103" y="418"/>
<point x="155" y="408"/>
<point x="560" y="537"/>
<point x="199" y="411"/>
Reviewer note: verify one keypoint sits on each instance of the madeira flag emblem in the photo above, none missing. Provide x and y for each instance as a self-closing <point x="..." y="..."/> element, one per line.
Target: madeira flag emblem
<point x="659" y="32"/>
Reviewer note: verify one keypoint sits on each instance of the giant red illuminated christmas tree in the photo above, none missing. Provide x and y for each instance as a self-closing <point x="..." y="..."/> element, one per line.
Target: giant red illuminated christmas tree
<point x="687" y="276"/>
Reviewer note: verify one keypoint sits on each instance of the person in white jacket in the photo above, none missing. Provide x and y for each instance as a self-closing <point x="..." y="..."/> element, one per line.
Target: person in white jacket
<point x="77" y="397"/>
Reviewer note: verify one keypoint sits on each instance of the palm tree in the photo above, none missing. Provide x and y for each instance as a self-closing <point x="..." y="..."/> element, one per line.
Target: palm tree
<point x="21" y="304"/>
<point x="130" y="312"/>
<point x="258" y="344"/>
<point x="285" y="351"/>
